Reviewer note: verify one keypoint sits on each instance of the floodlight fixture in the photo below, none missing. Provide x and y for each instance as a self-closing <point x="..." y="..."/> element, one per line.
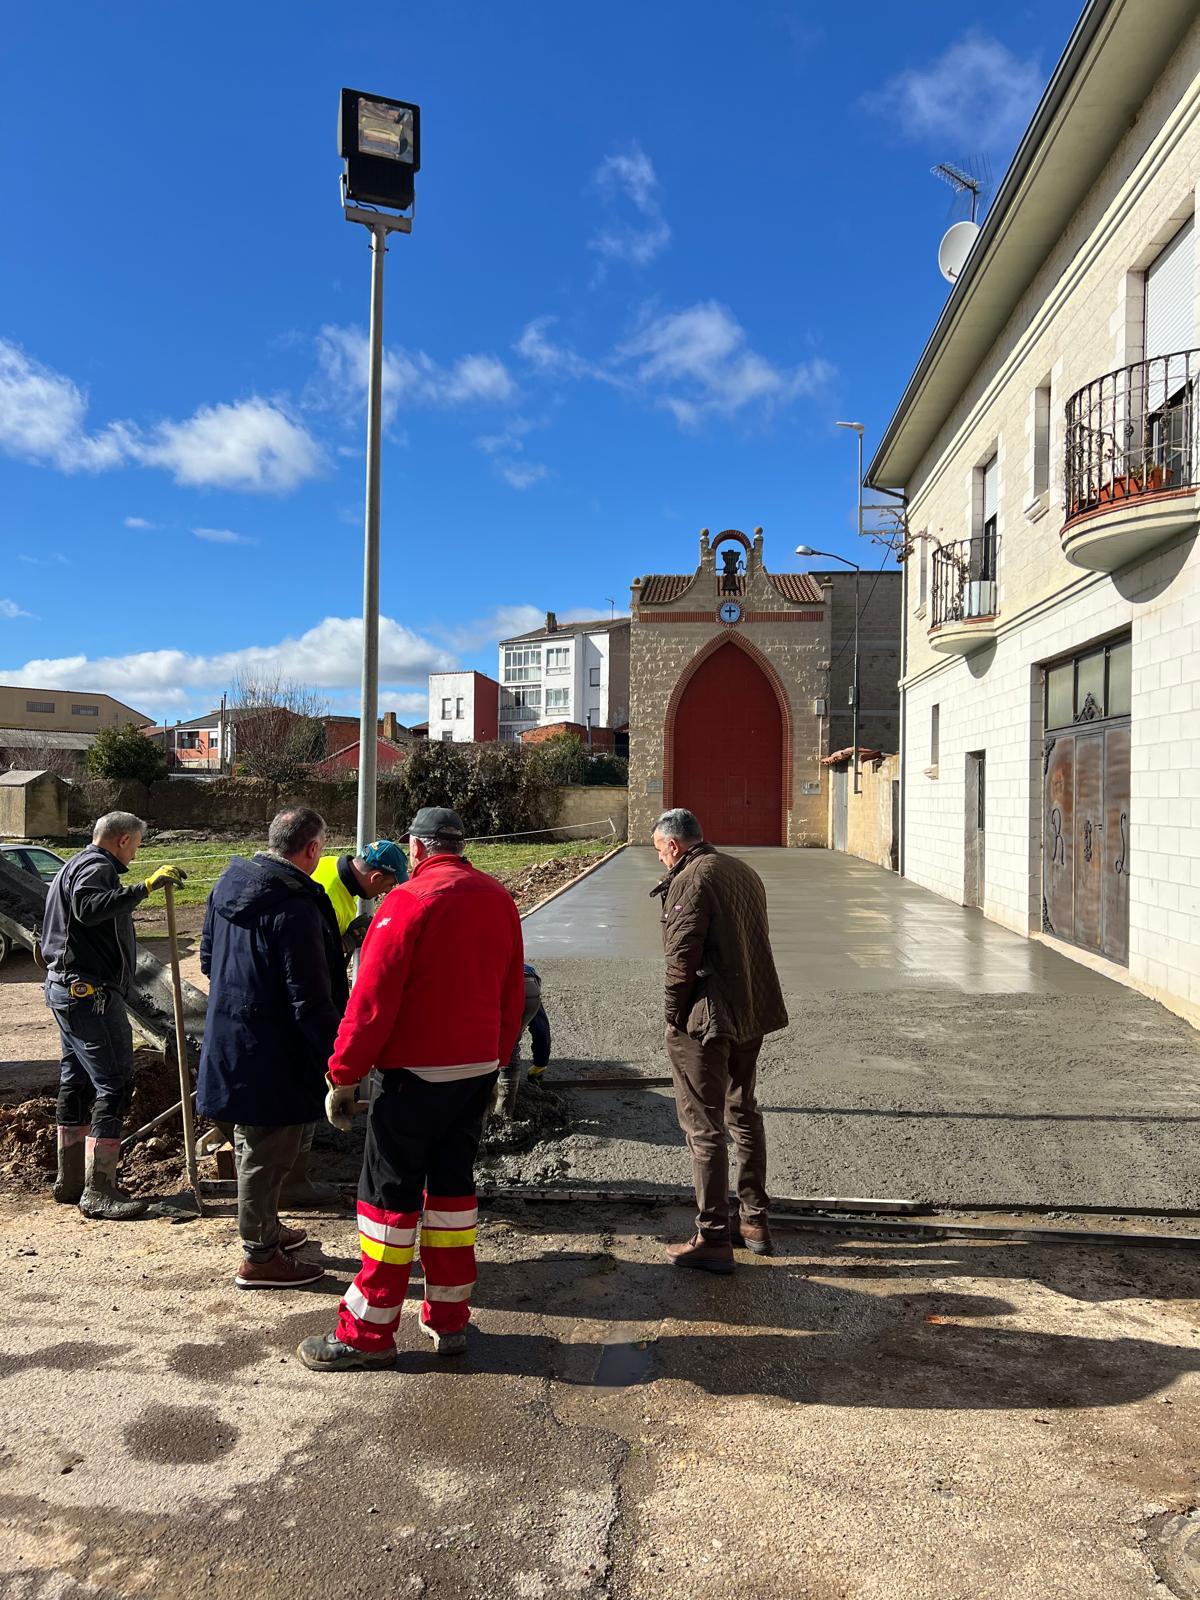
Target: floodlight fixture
<point x="380" y="142"/>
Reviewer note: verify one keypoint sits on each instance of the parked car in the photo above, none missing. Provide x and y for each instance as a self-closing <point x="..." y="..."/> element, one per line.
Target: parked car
<point x="32" y="858"/>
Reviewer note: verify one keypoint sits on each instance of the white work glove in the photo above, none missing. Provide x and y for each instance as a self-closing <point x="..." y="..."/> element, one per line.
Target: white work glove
<point x="339" y="1104"/>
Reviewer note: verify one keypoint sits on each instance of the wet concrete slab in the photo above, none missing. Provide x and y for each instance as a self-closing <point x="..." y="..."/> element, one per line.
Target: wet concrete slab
<point x="836" y="923"/>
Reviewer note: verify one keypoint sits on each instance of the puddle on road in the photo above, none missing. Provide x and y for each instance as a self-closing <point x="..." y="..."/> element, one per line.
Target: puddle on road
<point x="627" y="1358"/>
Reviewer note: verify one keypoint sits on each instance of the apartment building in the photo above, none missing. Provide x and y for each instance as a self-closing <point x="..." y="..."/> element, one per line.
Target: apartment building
<point x="576" y="672"/>
<point x="464" y="707"/>
<point x="1049" y="447"/>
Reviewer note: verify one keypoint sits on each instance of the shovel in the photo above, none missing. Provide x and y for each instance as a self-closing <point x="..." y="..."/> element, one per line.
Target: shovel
<point x="185" y="1081"/>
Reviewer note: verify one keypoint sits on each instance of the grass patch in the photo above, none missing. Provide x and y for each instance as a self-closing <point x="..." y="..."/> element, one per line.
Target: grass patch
<point x="205" y="862"/>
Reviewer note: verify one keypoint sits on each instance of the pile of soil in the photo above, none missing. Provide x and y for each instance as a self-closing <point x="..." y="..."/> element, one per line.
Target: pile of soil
<point x="532" y="884"/>
<point x="27" y="1139"/>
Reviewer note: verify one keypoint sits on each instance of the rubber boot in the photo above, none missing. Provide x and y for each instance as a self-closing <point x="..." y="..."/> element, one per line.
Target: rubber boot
<point x="103" y="1198"/>
<point x="300" y="1193"/>
<point x="68" y="1185"/>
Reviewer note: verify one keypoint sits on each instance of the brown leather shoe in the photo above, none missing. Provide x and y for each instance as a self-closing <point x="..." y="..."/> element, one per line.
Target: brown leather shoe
<point x="706" y="1255"/>
<point x="750" y="1236"/>
<point x="291" y="1238"/>
<point x="280" y="1272"/>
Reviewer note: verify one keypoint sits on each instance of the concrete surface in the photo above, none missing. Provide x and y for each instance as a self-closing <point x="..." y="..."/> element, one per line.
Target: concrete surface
<point x="931" y="1054"/>
<point x="849" y="1419"/>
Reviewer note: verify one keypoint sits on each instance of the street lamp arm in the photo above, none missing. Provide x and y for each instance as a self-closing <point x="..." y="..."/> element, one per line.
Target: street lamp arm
<point x="807" y="550"/>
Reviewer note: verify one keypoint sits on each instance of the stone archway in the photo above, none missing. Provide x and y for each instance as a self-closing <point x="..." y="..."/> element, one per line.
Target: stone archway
<point x="728" y="741"/>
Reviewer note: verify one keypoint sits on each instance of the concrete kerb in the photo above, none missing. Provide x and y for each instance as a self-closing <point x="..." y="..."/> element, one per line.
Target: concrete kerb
<point x="564" y="888"/>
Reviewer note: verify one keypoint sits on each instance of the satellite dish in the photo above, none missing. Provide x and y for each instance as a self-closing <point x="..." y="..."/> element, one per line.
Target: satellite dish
<point x="955" y="248"/>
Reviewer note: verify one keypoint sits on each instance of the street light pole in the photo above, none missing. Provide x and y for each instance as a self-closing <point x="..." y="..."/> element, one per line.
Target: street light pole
<point x="369" y="713"/>
<point x="807" y="550"/>
<point x="856" y="427"/>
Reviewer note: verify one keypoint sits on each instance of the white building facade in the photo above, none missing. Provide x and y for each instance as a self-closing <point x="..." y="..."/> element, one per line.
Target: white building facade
<point x="463" y="707"/>
<point x="1049" y="447"/>
<point x="565" y="672"/>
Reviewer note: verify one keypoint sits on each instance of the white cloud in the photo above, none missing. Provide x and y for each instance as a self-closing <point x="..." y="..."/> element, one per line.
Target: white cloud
<point x="628" y="183"/>
<point x="506" y="449"/>
<point x="10" y="610"/>
<point x="249" y="444"/>
<point x="411" y="379"/>
<point x="54" y="559"/>
<point x="976" y="93"/>
<point x="693" y="363"/>
<point x="327" y="656"/>
<point x="139" y="522"/>
<point x="223" y="536"/>
<point x="696" y="363"/>
<point x="508" y="621"/>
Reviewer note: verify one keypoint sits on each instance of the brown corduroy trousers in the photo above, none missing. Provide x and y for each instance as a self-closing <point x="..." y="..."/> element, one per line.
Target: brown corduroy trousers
<point x="714" y="1093"/>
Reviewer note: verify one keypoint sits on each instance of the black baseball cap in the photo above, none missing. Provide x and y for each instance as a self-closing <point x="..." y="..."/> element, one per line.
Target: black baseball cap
<point x="436" y="822"/>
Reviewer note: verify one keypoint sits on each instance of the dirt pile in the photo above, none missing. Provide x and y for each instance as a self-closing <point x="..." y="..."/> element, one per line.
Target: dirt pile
<point x="27" y="1138"/>
<point x="532" y="884"/>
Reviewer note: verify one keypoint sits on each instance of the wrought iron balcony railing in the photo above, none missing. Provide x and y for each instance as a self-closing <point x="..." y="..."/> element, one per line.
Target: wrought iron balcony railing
<point x="1134" y="433"/>
<point x="964" y="579"/>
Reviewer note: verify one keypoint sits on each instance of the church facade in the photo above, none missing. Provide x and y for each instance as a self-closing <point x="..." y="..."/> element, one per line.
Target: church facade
<point x="732" y="671"/>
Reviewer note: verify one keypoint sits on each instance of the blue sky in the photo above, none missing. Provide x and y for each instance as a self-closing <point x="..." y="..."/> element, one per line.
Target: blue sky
<point x="659" y="250"/>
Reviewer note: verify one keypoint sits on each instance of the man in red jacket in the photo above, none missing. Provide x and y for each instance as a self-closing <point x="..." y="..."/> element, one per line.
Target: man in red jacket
<point x="437" y="1007"/>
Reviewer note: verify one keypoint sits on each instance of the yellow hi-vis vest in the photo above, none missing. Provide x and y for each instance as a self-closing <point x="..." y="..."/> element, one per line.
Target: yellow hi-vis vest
<point x="345" y="905"/>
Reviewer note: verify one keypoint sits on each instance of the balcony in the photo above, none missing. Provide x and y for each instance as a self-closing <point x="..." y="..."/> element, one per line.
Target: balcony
<point x="964" y="595"/>
<point x="1133" y="462"/>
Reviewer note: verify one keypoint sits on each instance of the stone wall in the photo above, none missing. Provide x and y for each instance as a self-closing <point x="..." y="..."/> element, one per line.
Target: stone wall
<point x="870" y="833"/>
<point x="590" y="803"/>
<point x="33" y="805"/>
<point x="795" y="641"/>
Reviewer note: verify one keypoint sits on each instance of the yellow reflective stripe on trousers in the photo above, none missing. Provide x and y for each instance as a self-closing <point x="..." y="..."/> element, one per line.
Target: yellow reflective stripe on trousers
<point x="446" y="1238"/>
<point x="393" y="1255"/>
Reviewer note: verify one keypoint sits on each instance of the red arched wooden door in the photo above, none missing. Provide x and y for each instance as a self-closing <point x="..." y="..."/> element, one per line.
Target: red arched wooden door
<point x="727" y="750"/>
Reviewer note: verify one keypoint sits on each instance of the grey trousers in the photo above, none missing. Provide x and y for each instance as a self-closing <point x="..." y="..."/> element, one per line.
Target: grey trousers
<point x="265" y="1156"/>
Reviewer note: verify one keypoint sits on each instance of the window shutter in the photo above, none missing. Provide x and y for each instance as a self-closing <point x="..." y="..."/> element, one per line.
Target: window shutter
<point x="1171" y="296"/>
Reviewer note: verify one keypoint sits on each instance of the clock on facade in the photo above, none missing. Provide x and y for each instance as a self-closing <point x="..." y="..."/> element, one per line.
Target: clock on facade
<point x="730" y="612"/>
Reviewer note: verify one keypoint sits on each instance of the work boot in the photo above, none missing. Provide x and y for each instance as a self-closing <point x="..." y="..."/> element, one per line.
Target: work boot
<point x="279" y="1272"/>
<point x="327" y="1353"/>
<point x="291" y="1238"/>
<point x="751" y="1236"/>
<point x="68" y="1185"/>
<point x="103" y="1199"/>
<point x="445" y="1344"/>
<point x="706" y="1255"/>
<point x="300" y="1193"/>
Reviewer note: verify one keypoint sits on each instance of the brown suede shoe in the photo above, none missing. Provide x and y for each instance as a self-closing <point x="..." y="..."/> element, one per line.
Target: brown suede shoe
<point x="749" y="1236"/>
<point x="706" y="1255"/>
<point x="280" y="1272"/>
<point x="291" y="1238"/>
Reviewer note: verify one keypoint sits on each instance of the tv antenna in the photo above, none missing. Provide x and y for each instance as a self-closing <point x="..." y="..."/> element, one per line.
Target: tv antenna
<point x="963" y="180"/>
<point x="612" y="607"/>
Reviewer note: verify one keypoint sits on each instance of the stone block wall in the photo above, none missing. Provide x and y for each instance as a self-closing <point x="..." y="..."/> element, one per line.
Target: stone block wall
<point x="870" y="831"/>
<point x="33" y="805"/>
<point x="583" y="804"/>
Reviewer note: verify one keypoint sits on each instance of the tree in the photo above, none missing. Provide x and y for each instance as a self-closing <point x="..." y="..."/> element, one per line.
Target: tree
<point x="126" y="753"/>
<point x="277" y="728"/>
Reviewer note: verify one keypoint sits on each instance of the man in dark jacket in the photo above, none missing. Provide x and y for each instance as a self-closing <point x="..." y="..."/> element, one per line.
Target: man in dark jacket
<point x="277" y="989"/>
<point x="90" y="953"/>
<point x="722" y="996"/>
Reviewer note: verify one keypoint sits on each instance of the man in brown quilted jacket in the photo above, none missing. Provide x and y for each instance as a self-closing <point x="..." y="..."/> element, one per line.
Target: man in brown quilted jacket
<point x="722" y="996"/>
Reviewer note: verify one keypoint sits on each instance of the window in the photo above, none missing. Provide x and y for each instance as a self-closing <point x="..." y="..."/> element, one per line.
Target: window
<point x="85" y="711"/>
<point x="39" y="705"/>
<point x="1096" y="683"/>
<point x="558" y="658"/>
<point x="521" y="705"/>
<point x="186" y="739"/>
<point x="935" y="737"/>
<point x="990" y="509"/>
<point x="522" y="664"/>
<point x="458" y="708"/>
<point x="594" y="677"/>
<point x="1041" y="440"/>
<point x="558" y="699"/>
<point x="448" y="736"/>
<point x="447" y="708"/>
<point x="923" y="571"/>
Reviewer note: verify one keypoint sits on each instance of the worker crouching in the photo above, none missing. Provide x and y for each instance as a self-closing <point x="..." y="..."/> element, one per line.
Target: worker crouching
<point x="436" y="1007"/>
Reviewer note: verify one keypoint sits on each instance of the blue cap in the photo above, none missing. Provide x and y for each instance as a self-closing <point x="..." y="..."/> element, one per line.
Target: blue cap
<point x="385" y="856"/>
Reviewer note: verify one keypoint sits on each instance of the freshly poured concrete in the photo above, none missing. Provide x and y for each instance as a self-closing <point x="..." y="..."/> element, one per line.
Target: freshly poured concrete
<point x="931" y="1053"/>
